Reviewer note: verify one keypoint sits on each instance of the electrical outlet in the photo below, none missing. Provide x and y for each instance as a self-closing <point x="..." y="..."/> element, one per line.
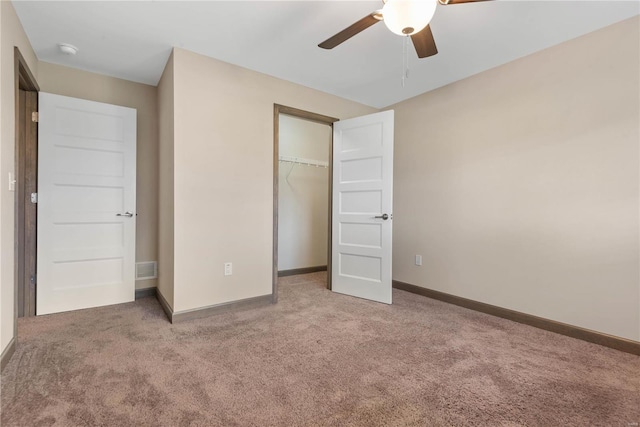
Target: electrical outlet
<point x="418" y="259"/>
<point x="228" y="269"/>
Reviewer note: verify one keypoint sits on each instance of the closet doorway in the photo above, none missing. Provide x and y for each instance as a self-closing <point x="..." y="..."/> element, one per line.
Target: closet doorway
<point x="302" y="188"/>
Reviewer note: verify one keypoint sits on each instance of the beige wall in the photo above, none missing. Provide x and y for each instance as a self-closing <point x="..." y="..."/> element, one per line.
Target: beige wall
<point x="223" y="178"/>
<point x="303" y="197"/>
<point x="166" y="199"/>
<point x="96" y="87"/>
<point x="3" y="337"/>
<point x="519" y="186"/>
<point x="12" y="34"/>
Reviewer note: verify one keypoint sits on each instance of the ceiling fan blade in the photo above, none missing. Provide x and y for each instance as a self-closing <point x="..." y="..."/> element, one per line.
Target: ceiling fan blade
<point x="445" y="2"/>
<point x="349" y="32"/>
<point x="424" y="43"/>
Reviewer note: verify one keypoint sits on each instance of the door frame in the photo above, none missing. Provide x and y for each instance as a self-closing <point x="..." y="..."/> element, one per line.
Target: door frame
<point x="313" y="117"/>
<point x="25" y="152"/>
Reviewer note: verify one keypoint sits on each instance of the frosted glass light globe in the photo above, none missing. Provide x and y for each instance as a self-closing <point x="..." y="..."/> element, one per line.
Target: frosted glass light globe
<point x="407" y="17"/>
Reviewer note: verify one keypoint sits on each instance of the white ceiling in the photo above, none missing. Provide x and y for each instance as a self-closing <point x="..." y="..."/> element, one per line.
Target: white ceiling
<point x="132" y="39"/>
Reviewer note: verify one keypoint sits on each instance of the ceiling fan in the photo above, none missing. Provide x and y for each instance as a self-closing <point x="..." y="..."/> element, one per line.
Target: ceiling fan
<point x="402" y="17"/>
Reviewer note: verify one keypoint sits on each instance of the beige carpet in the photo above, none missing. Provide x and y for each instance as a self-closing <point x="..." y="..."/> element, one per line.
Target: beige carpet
<point x="314" y="359"/>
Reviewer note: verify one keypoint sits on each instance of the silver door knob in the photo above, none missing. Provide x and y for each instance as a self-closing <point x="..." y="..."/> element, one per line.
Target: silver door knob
<point x="127" y="214"/>
<point x="383" y="216"/>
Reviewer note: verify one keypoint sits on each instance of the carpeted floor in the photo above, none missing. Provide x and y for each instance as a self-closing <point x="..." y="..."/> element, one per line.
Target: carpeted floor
<point x="314" y="359"/>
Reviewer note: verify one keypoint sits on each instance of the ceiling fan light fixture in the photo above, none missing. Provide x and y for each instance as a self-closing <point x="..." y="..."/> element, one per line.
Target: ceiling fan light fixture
<point x="408" y="17"/>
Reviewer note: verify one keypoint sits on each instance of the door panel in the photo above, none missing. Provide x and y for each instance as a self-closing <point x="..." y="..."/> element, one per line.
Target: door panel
<point x="362" y="191"/>
<point x="87" y="180"/>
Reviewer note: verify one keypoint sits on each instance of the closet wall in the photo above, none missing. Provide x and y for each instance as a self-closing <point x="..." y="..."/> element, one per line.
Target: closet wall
<point x="303" y="197"/>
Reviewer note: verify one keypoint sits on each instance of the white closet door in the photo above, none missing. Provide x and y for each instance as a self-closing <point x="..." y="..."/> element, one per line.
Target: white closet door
<point x="362" y="203"/>
<point x="86" y="204"/>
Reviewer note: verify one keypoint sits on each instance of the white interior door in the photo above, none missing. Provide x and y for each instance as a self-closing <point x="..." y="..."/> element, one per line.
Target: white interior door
<point x="362" y="202"/>
<point x="86" y="204"/>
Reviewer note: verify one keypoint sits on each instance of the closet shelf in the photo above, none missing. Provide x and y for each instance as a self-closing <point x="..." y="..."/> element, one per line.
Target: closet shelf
<point x="304" y="162"/>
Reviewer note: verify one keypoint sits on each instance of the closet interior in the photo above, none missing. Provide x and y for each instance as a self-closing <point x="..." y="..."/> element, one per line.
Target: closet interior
<point x="303" y="195"/>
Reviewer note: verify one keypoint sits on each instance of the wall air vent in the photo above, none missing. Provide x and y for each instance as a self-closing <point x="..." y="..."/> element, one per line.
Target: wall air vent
<point x="146" y="270"/>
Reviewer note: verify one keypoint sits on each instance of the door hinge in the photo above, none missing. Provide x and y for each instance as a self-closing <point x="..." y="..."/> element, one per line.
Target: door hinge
<point x="35" y="116"/>
<point x="33" y="279"/>
<point x="34" y="198"/>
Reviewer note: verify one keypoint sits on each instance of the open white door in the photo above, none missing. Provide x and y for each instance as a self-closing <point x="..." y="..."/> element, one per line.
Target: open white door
<point x="362" y="202"/>
<point x="86" y="204"/>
